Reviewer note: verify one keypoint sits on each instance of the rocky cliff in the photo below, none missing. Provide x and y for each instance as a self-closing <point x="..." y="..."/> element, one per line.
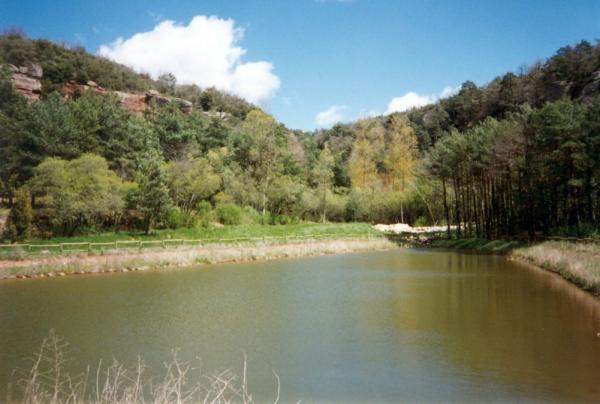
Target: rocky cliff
<point x="27" y="80"/>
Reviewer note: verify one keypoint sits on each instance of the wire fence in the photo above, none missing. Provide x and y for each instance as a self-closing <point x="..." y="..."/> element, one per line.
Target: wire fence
<point x="12" y="250"/>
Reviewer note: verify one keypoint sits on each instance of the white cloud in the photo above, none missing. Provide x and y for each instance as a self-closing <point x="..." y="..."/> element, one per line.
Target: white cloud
<point x="330" y="116"/>
<point x="367" y="113"/>
<point x="412" y="100"/>
<point x="205" y="52"/>
<point x="449" y="91"/>
<point x="409" y="101"/>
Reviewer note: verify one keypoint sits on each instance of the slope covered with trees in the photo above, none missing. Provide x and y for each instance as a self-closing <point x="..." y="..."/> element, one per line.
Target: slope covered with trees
<point x="516" y="156"/>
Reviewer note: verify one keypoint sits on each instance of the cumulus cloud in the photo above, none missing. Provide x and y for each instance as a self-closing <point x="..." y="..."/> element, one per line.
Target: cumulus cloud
<point x="367" y="113"/>
<point x="205" y="52"/>
<point x="408" y="101"/>
<point x="412" y="100"/>
<point x="449" y="91"/>
<point x="330" y="116"/>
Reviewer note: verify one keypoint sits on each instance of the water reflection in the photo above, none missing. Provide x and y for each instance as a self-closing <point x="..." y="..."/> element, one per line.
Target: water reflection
<point x="400" y="325"/>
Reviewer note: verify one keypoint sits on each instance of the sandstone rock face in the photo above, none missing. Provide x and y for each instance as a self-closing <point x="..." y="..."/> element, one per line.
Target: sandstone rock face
<point x="557" y="90"/>
<point x="592" y="88"/>
<point x="27" y="80"/>
<point x="184" y="105"/>
<point x="134" y="103"/>
<point x="71" y="89"/>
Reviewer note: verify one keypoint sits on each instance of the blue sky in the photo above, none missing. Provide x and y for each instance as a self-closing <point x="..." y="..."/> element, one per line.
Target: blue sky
<point x="302" y="58"/>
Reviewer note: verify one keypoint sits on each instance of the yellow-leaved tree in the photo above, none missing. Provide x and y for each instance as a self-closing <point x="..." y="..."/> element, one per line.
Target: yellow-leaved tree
<point x="400" y="156"/>
<point x="366" y="152"/>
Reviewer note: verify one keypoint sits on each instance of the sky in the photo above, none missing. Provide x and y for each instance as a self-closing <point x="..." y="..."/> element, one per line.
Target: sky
<point x="312" y="63"/>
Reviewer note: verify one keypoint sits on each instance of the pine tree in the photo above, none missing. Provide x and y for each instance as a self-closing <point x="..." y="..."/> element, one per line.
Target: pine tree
<point x="18" y="225"/>
<point x="152" y="197"/>
<point x="323" y="175"/>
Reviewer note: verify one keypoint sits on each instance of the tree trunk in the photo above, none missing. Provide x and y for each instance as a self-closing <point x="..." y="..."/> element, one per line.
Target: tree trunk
<point x="447" y="211"/>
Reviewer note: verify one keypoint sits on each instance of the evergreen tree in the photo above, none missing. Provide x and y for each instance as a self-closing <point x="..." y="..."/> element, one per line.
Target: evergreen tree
<point x="152" y="196"/>
<point x="323" y="176"/>
<point x="18" y="225"/>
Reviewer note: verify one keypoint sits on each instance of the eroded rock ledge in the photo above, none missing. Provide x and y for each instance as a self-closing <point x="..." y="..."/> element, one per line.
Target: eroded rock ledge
<point x="27" y="80"/>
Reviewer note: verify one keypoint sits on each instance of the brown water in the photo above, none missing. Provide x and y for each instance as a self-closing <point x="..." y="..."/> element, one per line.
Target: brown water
<point x="404" y="325"/>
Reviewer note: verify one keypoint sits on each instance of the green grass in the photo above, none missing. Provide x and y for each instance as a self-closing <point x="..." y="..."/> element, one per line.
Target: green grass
<point x="477" y="244"/>
<point x="219" y="233"/>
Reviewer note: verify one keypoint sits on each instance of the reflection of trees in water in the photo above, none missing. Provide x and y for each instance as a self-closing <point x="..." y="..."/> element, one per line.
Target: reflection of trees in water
<point x="494" y="318"/>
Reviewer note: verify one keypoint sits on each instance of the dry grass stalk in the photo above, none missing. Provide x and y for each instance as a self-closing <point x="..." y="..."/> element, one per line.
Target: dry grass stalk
<point x="48" y="381"/>
<point x="576" y="262"/>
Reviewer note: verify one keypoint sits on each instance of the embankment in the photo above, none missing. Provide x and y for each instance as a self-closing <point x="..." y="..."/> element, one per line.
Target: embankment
<point x="577" y="262"/>
<point x="181" y="257"/>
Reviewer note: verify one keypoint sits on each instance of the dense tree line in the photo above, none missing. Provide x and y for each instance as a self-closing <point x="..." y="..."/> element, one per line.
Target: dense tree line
<point x="531" y="174"/>
<point x="517" y="156"/>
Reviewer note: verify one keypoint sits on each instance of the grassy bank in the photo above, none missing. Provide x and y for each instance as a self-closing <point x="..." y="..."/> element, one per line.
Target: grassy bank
<point x="217" y="233"/>
<point x="190" y="237"/>
<point x="123" y="261"/>
<point x="476" y="244"/>
<point x="577" y="262"/>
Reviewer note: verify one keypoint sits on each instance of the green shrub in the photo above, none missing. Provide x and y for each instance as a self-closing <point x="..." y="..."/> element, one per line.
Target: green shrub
<point x="581" y="231"/>
<point x="420" y="222"/>
<point x="204" y="213"/>
<point x="283" y="220"/>
<point x="176" y="219"/>
<point x="251" y="215"/>
<point x="229" y="214"/>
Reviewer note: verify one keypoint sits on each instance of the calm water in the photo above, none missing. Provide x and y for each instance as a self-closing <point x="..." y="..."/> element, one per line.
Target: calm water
<point x="387" y="326"/>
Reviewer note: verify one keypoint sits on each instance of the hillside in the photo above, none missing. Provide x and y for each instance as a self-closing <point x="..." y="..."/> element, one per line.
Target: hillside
<point x="573" y="72"/>
<point x="65" y="69"/>
<point x="96" y="146"/>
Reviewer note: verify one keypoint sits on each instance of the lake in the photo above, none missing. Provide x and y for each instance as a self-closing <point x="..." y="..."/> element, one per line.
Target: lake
<point x="400" y="325"/>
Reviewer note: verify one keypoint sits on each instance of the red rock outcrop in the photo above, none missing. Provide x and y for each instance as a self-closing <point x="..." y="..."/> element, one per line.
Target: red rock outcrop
<point x="27" y="80"/>
<point x="71" y="89"/>
<point x="134" y="103"/>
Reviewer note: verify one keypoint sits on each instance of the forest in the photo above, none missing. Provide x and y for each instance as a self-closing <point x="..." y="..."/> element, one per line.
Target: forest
<point x="516" y="157"/>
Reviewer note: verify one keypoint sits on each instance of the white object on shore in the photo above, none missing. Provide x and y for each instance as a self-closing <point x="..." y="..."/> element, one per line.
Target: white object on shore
<point x="398" y="228"/>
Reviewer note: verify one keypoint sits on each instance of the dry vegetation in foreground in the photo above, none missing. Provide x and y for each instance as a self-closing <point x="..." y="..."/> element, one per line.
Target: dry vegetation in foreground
<point x="574" y="261"/>
<point x="182" y="257"/>
<point x="48" y="381"/>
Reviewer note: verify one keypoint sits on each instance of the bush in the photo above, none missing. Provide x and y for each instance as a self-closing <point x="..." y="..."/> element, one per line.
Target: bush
<point x="251" y="215"/>
<point x="204" y="213"/>
<point x="582" y="231"/>
<point x="176" y="219"/>
<point x="283" y="220"/>
<point x="229" y="214"/>
<point x="420" y="222"/>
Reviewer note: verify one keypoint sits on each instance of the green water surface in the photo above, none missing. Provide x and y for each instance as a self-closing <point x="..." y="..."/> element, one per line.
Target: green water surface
<point x="403" y="325"/>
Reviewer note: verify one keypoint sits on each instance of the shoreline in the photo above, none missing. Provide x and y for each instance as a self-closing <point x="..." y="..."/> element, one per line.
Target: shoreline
<point x="68" y="265"/>
<point x="577" y="263"/>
